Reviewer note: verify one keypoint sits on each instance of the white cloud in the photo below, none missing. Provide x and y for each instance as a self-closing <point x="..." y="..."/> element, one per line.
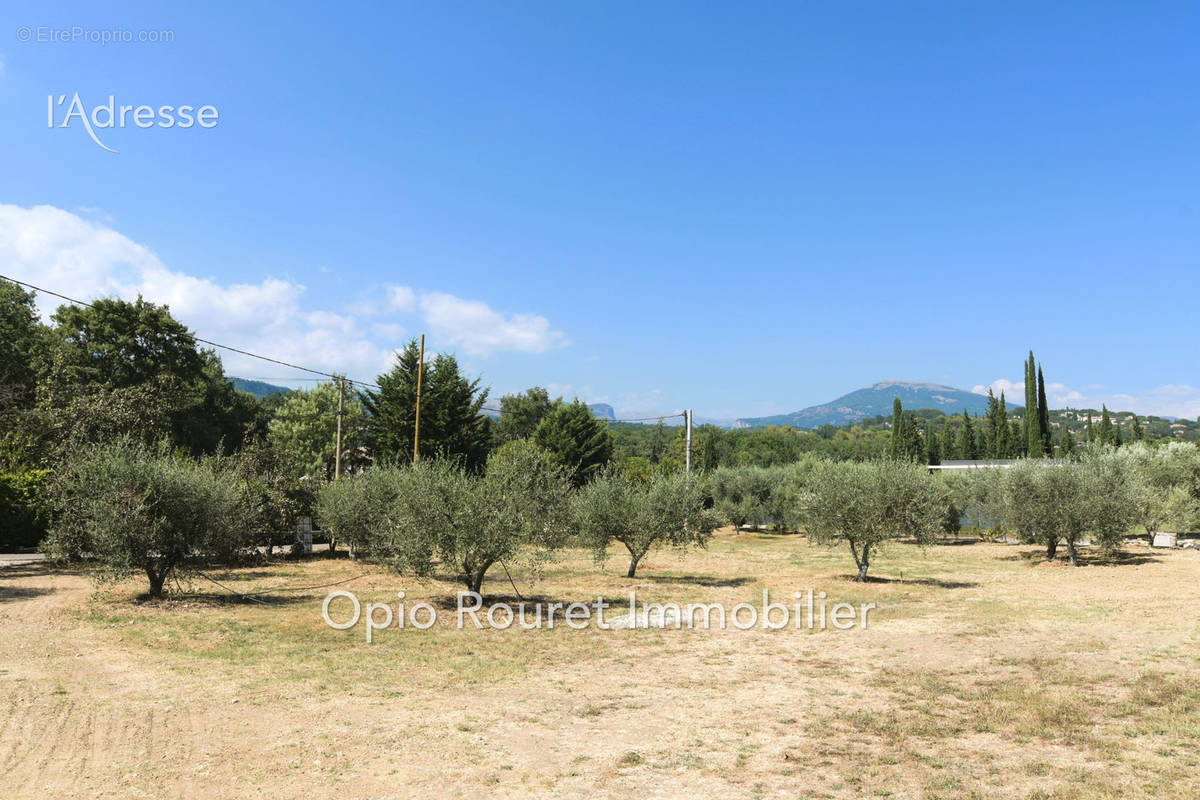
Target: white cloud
<point x="1170" y="400"/>
<point x="480" y="331"/>
<point x="1009" y="388"/>
<point x="390" y="331"/>
<point x="86" y="259"/>
<point x="402" y="299"/>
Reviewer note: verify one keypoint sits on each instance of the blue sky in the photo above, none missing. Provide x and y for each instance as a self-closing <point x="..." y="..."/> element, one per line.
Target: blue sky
<point x="739" y="209"/>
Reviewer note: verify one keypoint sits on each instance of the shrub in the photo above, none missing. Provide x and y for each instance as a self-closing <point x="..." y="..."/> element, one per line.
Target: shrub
<point x="22" y="508"/>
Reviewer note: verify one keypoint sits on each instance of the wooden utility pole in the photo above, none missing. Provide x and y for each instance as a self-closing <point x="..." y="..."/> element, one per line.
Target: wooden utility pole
<point x="337" y="456"/>
<point x="417" y="422"/>
<point x="687" y="421"/>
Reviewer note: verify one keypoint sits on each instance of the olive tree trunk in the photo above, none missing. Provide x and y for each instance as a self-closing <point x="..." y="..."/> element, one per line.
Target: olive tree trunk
<point x="862" y="559"/>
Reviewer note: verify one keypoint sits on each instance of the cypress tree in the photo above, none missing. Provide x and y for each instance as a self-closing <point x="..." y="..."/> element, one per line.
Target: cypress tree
<point x="966" y="438"/>
<point x="1066" y="446"/>
<point x="1003" y="445"/>
<point x="933" y="455"/>
<point x="1016" y="444"/>
<point x="1033" y="436"/>
<point x="1138" y="433"/>
<point x="949" y="448"/>
<point x="896" y="448"/>
<point x="1106" y="435"/>
<point x="992" y="431"/>
<point x="914" y="444"/>
<point x="1044" y="415"/>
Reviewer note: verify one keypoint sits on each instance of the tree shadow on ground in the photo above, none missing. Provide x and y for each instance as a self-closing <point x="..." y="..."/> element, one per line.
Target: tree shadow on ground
<point x="711" y="581"/>
<point x="1087" y="557"/>
<point x="1118" y="558"/>
<point x="222" y="600"/>
<point x="938" y="582"/>
<point x="8" y="593"/>
<point x="533" y="602"/>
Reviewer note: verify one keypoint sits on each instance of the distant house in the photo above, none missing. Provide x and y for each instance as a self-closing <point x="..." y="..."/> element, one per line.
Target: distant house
<point x="967" y="465"/>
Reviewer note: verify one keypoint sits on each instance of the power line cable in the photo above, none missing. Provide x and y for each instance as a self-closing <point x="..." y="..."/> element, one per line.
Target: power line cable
<point x="209" y="342"/>
<point x="261" y="357"/>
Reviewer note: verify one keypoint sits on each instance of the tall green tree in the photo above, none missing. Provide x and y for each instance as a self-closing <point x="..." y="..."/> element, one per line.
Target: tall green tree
<point x="303" y="432"/>
<point x="23" y="342"/>
<point x="1043" y="415"/>
<point x="452" y="421"/>
<point x="967" y="445"/>
<point x="1106" y="434"/>
<point x="1033" y="435"/>
<point x="658" y="443"/>
<point x="577" y="439"/>
<point x="520" y="414"/>
<point x="993" y="427"/>
<point x="949" y="448"/>
<point x="906" y="443"/>
<point x="933" y="454"/>
<point x="1003" y="432"/>
<point x="1066" y="445"/>
<point x="130" y="368"/>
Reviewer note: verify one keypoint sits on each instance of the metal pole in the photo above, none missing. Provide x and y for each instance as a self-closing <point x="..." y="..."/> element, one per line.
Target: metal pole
<point x="337" y="456"/>
<point x="417" y="421"/>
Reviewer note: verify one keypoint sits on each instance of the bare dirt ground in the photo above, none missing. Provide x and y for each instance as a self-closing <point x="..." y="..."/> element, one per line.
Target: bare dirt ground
<point x="983" y="674"/>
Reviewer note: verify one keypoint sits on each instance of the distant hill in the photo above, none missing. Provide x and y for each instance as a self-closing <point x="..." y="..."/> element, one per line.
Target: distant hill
<point x="603" y="411"/>
<point x="258" y="388"/>
<point x="874" y="400"/>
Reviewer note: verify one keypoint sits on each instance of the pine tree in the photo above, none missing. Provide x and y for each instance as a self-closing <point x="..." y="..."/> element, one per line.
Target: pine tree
<point x="1044" y="415"/>
<point x="452" y="422"/>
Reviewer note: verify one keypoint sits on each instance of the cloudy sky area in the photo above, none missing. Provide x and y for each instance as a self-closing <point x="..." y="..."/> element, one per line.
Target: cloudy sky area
<point x="742" y="213"/>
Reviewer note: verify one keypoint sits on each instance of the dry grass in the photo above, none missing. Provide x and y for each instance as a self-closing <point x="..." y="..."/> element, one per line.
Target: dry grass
<point x="984" y="673"/>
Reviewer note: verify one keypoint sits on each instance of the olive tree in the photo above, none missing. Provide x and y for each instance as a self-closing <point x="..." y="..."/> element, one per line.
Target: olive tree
<point x="742" y="495"/>
<point x="1068" y="501"/>
<point x="362" y="510"/>
<point x="667" y="509"/>
<point x="1165" y="481"/>
<point x="443" y="515"/>
<point x="129" y="507"/>
<point x="867" y="503"/>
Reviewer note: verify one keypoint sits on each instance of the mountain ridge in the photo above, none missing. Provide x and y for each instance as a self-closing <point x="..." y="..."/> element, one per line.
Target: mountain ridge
<point x="876" y="399"/>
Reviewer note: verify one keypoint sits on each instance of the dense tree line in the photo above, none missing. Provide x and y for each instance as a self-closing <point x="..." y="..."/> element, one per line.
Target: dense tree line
<point x="124" y="439"/>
